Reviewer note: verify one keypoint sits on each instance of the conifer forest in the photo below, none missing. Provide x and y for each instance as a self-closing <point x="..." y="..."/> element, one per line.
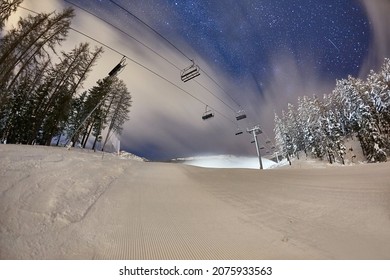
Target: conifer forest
<point x="356" y="108"/>
<point x="41" y="97"/>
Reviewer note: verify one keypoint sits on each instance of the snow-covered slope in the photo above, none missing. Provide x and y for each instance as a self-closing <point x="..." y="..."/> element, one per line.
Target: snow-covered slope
<point x="73" y="204"/>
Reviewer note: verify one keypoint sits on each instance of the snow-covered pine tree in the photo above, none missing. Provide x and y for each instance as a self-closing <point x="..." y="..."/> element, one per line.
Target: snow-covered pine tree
<point x="317" y="140"/>
<point x="379" y="94"/>
<point x="288" y="138"/>
<point x="374" y="124"/>
<point x="280" y="139"/>
<point x="293" y="131"/>
<point x="355" y="107"/>
<point x="332" y="128"/>
<point x="304" y="116"/>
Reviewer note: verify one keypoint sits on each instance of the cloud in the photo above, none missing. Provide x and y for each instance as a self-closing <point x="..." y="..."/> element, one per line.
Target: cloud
<point x="378" y="13"/>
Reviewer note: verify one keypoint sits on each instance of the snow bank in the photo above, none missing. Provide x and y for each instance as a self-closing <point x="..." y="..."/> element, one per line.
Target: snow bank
<point x="227" y="161"/>
<point x="126" y="155"/>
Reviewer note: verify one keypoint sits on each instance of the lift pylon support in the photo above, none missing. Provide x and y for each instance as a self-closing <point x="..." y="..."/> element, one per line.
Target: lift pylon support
<point x="256" y="130"/>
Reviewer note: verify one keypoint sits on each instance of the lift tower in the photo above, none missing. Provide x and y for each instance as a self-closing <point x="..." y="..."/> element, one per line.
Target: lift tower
<point x="256" y="130"/>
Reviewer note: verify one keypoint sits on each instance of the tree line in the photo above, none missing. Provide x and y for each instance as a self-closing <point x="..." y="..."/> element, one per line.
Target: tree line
<point x="355" y="108"/>
<point x="40" y="97"/>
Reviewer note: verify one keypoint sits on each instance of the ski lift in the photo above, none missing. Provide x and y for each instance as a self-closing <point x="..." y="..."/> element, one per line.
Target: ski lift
<point x="240" y="115"/>
<point x="207" y="114"/>
<point x="253" y="141"/>
<point x="118" y="67"/>
<point x="239" y="131"/>
<point x="262" y="148"/>
<point x="190" y="72"/>
<point x="257" y="130"/>
<point x="268" y="141"/>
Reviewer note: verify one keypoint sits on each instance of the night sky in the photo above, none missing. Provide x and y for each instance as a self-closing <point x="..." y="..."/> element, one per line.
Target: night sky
<point x="263" y="54"/>
<point x="239" y="36"/>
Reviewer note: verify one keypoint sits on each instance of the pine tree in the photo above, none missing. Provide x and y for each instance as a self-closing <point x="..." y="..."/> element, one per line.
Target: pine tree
<point x="379" y="94"/>
<point x="38" y="100"/>
<point x="93" y="118"/>
<point x="332" y="128"/>
<point x="77" y="115"/>
<point x="119" y="109"/>
<point x="7" y="7"/>
<point x="22" y="50"/>
<point x="68" y="76"/>
<point x="29" y="40"/>
<point x="280" y="131"/>
<point x="18" y="112"/>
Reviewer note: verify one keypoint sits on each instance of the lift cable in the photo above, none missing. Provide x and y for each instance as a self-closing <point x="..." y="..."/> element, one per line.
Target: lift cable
<point x="152" y="71"/>
<point x="215" y="82"/>
<point x="143" y="66"/>
<point x="170" y="43"/>
<point x="227" y="105"/>
<point x="155" y="52"/>
<point x="151" y="28"/>
<point x="117" y="28"/>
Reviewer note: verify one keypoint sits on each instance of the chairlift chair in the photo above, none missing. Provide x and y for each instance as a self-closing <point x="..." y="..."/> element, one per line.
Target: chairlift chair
<point x="190" y="72"/>
<point x="268" y="141"/>
<point x="207" y="114"/>
<point x="239" y="131"/>
<point x="253" y="141"/>
<point x="240" y="115"/>
<point x="262" y="148"/>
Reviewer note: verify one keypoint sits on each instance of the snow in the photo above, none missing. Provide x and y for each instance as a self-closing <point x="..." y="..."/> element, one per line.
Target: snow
<point x="75" y="204"/>
<point x="227" y="161"/>
<point x="126" y="155"/>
